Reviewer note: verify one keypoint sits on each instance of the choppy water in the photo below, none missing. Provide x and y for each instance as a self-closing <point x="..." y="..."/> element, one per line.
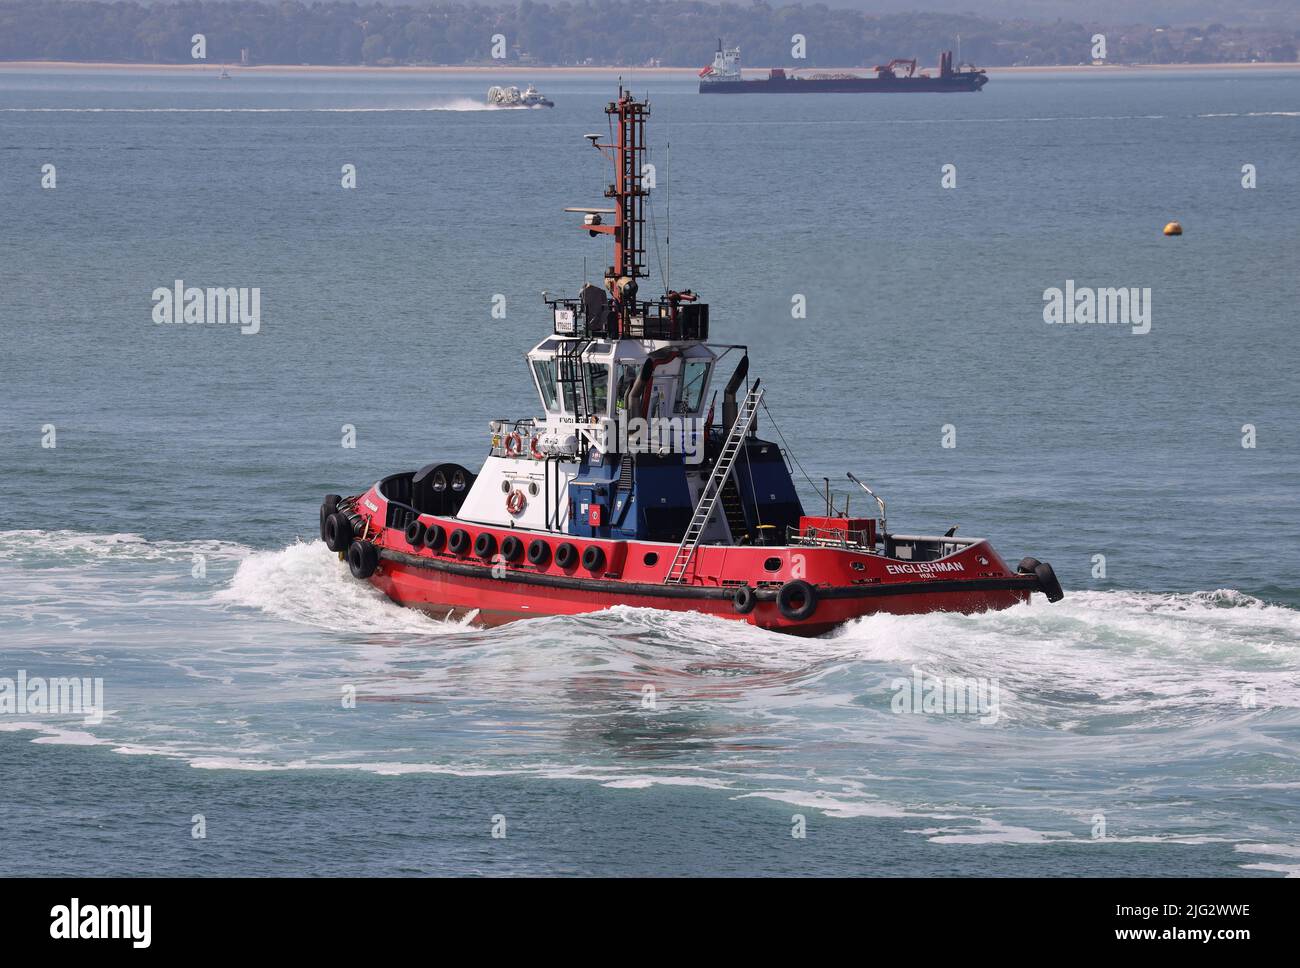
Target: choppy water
<point x="1162" y="698"/>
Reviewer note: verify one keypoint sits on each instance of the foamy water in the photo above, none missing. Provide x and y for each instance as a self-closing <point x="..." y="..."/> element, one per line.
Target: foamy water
<point x="1122" y="703"/>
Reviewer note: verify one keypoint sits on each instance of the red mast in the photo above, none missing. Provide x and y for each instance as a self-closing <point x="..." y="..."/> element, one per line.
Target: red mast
<point x="627" y="191"/>
<point x="618" y="312"/>
<point x="628" y="155"/>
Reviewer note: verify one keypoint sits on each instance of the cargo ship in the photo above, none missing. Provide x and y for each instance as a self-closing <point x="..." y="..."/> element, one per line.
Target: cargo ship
<point x="628" y="488"/>
<point x="723" y="76"/>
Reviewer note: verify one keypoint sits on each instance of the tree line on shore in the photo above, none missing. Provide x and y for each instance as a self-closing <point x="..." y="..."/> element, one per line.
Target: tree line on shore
<point x="670" y="33"/>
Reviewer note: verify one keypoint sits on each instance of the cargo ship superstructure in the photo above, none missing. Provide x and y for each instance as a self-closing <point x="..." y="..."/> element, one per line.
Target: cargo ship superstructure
<point x="631" y="488"/>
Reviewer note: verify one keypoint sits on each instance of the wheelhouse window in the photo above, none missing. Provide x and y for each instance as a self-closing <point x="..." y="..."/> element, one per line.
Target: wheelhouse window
<point x="545" y="370"/>
<point x="598" y="387"/>
<point x="690" y="391"/>
<point x="595" y="380"/>
<point x="626" y="380"/>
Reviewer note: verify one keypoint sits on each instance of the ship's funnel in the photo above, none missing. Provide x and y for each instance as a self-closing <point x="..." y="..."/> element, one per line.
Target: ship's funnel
<point x="729" y="408"/>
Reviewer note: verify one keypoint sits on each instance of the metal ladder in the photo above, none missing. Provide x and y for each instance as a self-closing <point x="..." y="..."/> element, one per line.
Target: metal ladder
<point x="713" y="487"/>
<point x="568" y="373"/>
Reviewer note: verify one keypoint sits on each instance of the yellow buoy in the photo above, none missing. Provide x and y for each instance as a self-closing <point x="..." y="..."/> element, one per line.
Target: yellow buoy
<point x="1174" y="228"/>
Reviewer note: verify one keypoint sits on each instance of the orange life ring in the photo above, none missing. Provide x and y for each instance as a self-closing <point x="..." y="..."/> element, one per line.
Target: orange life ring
<point x="513" y="444"/>
<point x="515" y="501"/>
<point x="532" y="449"/>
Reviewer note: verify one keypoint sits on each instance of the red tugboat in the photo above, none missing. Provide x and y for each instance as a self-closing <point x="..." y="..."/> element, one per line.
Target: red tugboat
<point x="626" y="491"/>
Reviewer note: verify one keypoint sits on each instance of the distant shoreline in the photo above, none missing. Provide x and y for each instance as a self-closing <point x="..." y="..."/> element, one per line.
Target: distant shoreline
<point x="524" y="70"/>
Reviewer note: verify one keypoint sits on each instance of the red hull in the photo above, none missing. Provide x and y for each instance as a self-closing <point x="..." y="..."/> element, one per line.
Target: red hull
<point x="497" y="601"/>
<point x="848" y="584"/>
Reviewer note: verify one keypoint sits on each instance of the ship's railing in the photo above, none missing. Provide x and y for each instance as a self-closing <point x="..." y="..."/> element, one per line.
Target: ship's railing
<point x="830" y="538"/>
<point x="926" y="547"/>
<point x="504" y="433"/>
<point x="692" y="322"/>
<point x="648" y="320"/>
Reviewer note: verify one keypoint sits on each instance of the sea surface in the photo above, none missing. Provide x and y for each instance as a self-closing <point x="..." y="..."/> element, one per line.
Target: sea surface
<point x="1148" y="725"/>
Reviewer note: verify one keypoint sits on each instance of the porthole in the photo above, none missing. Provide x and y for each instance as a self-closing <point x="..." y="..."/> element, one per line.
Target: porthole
<point x="505" y="487"/>
<point x="857" y="566"/>
<point x="533" y="488"/>
<point x="651" y="558"/>
<point x="772" y="564"/>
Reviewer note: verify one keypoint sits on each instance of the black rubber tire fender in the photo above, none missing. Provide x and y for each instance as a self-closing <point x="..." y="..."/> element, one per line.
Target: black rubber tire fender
<point x="485" y="545"/>
<point x="1027" y="566"/>
<point x="415" y="533"/>
<point x="539" y="552"/>
<point x="797" y="600"/>
<point x="511" y="548"/>
<point x="744" y="600"/>
<point x="363" y="559"/>
<point x="435" y="536"/>
<point x="1048" y="582"/>
<point x="459" y="543"/>
<point x="328" y="507"/>
<point x="566" y="555"/>
<point x="338" y="532"/>
<point x="593" y="558"/>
